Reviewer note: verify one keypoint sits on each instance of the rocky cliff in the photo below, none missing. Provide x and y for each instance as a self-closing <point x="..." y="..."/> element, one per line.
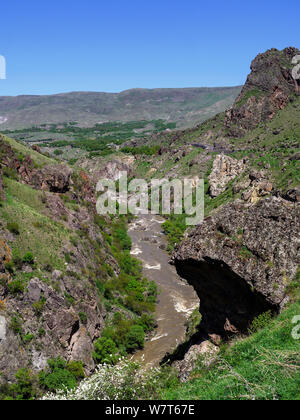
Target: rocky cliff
<point x="268" y="89"/>
<point x="241" y="261"/>
<point x="51" y="254"/>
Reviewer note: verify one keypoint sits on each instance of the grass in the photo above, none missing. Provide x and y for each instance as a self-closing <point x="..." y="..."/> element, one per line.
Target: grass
<point x="256" y="93"/>
<point x="38" y="233"/>
<point x="264" y="366"/>
<point x="38" y="159"/>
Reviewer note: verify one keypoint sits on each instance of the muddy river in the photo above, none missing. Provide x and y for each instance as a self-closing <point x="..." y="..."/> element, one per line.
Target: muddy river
<point x="176" y="300"/>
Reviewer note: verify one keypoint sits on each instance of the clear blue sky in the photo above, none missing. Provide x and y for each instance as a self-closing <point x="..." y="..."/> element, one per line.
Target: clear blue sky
<point x="113" y="45"/>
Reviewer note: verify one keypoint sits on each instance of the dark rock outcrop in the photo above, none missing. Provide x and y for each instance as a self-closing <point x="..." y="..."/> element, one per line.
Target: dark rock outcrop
<point x="240" y="261"/>
<point x="267" y="90"/>
<point x="53" y="178"/>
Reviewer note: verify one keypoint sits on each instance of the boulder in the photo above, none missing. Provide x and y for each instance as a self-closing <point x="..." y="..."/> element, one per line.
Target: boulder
<point x="224" y="170"/>
<point x="204" y="353"/>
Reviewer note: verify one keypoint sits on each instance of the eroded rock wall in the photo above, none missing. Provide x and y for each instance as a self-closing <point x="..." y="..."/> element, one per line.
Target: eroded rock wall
<point x="241" y="261"/>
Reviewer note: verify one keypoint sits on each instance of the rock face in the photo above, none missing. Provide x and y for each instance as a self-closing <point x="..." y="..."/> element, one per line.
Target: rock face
<point x="60" y="307"/>
<point x="53" y="178"/>
<point x="240" y="261"/>
<point x="206" y="350"/>
<point x="267" y="90"/>
<point x="54" y="310"/>
<point x="224" y="170"/>
<point x="98" y="168"/>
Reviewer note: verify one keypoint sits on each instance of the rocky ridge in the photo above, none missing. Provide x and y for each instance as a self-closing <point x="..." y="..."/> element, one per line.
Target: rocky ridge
<point x="268" y="89"/>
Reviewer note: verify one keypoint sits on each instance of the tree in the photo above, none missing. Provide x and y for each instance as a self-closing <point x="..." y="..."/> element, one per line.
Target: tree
<point x="106" y="351"/>
<point x="135" y="338"/>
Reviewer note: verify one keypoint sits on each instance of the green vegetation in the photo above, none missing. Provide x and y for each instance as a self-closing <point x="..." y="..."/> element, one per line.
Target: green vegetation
<point x="265" y="365"/>
<point x="142" y="150"/>
<point x="58" y="375"/>
<point x="130" y="292"/>
<point x="99" y="140"/>
<point x="13" y="227"/>
<point x="256" y="93"/>
<point x="174" y="228"/>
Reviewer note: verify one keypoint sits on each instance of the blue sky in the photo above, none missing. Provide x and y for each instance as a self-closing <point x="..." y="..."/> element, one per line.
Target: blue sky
<point x="60" y="46"/>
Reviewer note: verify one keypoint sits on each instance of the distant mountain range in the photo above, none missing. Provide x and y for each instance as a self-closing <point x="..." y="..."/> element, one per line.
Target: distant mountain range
<point x="186" y="106"/>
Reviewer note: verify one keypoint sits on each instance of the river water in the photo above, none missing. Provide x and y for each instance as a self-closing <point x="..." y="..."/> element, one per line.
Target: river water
<point x="176" y="300"/>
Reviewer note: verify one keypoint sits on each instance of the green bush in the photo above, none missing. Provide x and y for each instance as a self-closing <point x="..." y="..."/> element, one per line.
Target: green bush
<point x="16" y="286"/>
<point x="14" y="228"/>
<point x="57" y="376"/>
<point x="28" y="258"/>
<point x="10" y="173"/>
<point x="17" y="259"/>
<point x="9" y="266"/>
<point x="25" y="388"/>
<point x="16" y="324"/>
<point x="135" y="338"/>
<point x="27" y="338"/>
<point x="38" y="307"/>
<point x="83" y="318"/>
<point x="260" y="322"/>
<point x="106" y="351"/>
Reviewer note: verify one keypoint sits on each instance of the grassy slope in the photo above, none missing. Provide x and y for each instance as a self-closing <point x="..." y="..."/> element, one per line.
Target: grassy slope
<point x="39" y="234"/>
<point x="38" y="159"/>
<point x="265" y="365"/>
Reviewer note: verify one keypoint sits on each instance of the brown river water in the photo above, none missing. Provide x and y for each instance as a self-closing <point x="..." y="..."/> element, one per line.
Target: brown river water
<point x="176" y="300"/>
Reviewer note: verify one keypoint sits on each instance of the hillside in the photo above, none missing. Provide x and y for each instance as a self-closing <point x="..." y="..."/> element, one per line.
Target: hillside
<point x="64" y="272"/>
<point x="69" y="286"/>
<point x="184" y="106"/>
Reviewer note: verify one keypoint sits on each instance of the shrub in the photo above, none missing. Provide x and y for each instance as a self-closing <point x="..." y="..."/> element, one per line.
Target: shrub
<point x="17" y="259"/>
<point x="27" y="338"/>
<point x="147" y="322"/>
<point x="58" y="152"/>
<point x="41" y="332"/>
<point x="10" y="173"/>
<point x="9" y="266"/>
<point x="13" y="227"/>
<point x="25" y="387"/>
<point x="125" y="381"/>
<point x="260" y="322"/>
<point x="76" y="368"/>
<point x="106" y="351"/>
<point x="16" y="324"/>
<point x="57" y="376"/>
<point x="28" y="258"/>
<point x="16" y="286"/>
<point x="38" y="307"/>
<point x="83" y="318"/>
<point x="135" y="338"/>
